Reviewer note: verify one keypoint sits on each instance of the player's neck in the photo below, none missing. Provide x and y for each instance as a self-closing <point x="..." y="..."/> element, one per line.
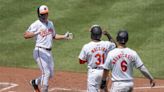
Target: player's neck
<point x="44" y="21"/>
<point x="121" y="46"/>
<point x="96" y="40"/>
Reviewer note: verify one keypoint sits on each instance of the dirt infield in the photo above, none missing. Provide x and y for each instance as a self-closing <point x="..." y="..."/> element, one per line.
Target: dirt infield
<point x="17" y="80"/>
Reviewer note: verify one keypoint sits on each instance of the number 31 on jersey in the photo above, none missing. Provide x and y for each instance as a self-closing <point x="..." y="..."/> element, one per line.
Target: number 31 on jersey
<point x="100" y="59"/>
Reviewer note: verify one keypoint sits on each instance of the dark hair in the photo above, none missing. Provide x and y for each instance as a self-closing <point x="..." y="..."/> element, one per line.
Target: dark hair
<point x="38" y="11"/>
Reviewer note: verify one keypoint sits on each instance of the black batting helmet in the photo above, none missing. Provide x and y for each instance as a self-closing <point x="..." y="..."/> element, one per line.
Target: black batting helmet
<point x="96" y="32"/>
<point x="122" y="36"/>
<point x="41" y="10"/>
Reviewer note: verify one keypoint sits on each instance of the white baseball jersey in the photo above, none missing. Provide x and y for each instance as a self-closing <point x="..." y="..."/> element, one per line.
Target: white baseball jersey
<point x="47" y="32"/>
<point x="95" y="53"/>
<point x="121" y="61"/>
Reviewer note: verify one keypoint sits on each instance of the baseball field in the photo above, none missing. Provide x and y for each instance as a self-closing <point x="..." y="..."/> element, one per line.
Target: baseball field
<point x="143" y="19"/>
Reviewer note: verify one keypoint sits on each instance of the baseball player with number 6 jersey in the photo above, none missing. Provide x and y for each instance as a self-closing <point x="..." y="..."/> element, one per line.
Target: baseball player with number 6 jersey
<point x="121" y="61"/>
<point x="44" y="32"/>
<point x="94" y="54"/>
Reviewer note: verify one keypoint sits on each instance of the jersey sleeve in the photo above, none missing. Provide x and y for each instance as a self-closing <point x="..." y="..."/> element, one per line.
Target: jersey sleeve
<point x="108" y="62"/>
<point x="112" y="46"/>
<point x="138" y="61"/>
<point x="53" y="27"/>
<point x="32" y="28"/>
<point x="83" y="54"/>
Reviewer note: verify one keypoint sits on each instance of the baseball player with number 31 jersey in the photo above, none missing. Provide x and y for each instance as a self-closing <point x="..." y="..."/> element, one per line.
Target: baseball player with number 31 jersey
<point x="121" y="61"/>
<point x="94" y="54"/>
<point x="44" y="32"/>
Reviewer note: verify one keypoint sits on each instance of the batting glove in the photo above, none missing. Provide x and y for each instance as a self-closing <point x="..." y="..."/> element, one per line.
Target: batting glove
<point x="103" y="84"/>
<point x="68" y="35"/>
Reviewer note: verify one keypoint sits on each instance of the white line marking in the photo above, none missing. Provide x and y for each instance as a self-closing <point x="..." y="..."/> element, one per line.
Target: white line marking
<point x="78" y="90"/>
<point x="66" y="89"/>
<point x="149" y="87"/>
<point x="9" y="86"/>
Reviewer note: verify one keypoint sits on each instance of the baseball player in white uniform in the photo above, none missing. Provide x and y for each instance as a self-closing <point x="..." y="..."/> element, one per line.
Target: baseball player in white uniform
<point x="44" y="32"/>
<point x="121" y="61"/>
<point x="94" y="54"/>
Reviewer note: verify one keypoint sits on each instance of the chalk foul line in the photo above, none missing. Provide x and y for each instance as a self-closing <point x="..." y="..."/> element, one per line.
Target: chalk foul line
<point x="78" y="90"/>
<point x="156" y="87"/>
<point x="8" y="86"/>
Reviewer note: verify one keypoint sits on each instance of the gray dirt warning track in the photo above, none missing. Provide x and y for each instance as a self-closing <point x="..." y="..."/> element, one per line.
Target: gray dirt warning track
<point x="17" y="80"/>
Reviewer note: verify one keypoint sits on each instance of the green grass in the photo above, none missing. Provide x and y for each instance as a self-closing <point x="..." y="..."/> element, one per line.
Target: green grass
<point x="142" y="18"/>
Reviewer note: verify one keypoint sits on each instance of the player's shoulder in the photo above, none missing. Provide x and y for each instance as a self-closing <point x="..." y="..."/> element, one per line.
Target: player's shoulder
<point x="88" y="44"/>
<point x="115" y="50"/>
<point x="50" y="21"/>
<point x="102" y="41"/>
<point x="131" y="51"/>
<point x="35" y="24"/>
<point x="108" y="42"/>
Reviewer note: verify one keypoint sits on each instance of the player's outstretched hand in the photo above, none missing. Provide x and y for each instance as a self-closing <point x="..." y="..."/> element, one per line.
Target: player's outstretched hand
<point x="68" y="35"/>
<point x="152" y="83"/>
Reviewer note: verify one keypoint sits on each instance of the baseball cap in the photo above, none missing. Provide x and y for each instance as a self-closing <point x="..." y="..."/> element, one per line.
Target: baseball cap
<point x="43" y="9"/>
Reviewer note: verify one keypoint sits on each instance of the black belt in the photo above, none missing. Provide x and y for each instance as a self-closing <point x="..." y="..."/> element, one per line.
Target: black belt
<point x="49" y="49"/>
<point x="97" y="68"/>
<point x="122" y="81"/>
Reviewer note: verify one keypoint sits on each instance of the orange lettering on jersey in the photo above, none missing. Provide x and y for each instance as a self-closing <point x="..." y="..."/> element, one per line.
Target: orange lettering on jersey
<point x="115" y="59"/>
<point x="98" y="49"/>
<point x="46" y="32"/>
<point x="119" y="56"/>
<point x="129" y="57"/>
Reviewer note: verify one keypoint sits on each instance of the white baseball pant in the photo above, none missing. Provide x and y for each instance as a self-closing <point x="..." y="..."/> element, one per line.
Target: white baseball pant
<point x="94" y="79"/>
<point x="122" y="86"/>
<point x="45" y="62"/>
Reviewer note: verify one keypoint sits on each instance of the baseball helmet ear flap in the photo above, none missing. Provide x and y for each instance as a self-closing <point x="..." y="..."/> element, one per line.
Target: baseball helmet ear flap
<point x="122" y="36"/>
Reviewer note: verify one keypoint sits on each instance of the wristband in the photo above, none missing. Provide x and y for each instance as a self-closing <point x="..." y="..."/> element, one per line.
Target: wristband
<point x="103" y="84"/>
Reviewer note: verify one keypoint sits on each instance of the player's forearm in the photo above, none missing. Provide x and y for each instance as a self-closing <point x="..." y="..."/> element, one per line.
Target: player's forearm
<point x="59" y="37"/>
<point x="28" y="35"/>
<point x="145" y="72"/>
<point x="105" y="74"/>
<point x="104" y="79"/>
<point x="111" y="39"/>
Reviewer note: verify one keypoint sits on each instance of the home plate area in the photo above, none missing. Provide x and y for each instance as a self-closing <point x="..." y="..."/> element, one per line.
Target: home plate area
<point x="4" y="86"/>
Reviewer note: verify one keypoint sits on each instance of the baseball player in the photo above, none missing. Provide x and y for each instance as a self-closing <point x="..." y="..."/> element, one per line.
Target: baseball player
<point x="121" y="61"/>
<point x="94" y="54"/>
<point x="44" y="32"/>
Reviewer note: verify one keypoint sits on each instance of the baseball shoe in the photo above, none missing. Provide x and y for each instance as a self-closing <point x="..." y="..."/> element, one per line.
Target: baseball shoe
<point x="35" y="86"/>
